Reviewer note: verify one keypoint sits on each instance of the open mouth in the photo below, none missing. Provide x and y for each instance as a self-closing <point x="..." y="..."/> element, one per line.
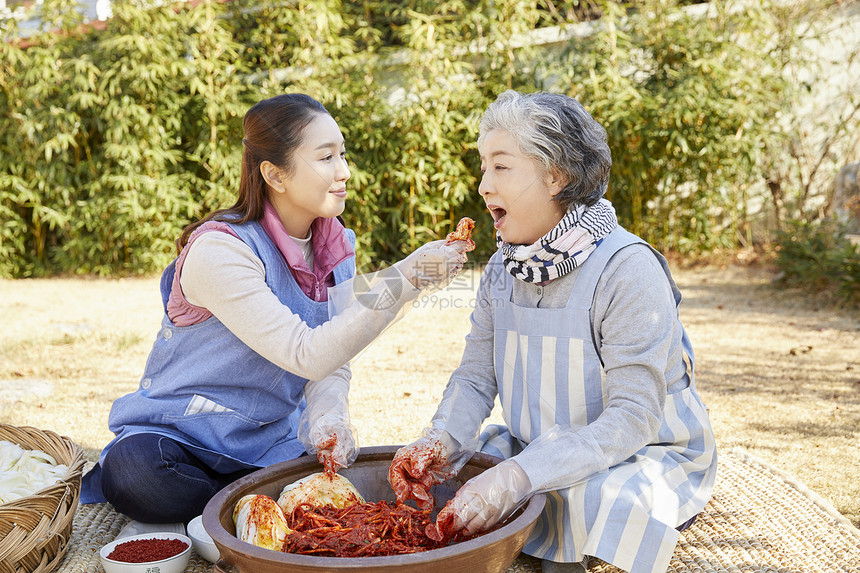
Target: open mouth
<point x="498" y="214"/>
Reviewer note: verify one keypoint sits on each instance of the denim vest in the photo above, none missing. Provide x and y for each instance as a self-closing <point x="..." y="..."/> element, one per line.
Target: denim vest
<point x="205" y="388"/>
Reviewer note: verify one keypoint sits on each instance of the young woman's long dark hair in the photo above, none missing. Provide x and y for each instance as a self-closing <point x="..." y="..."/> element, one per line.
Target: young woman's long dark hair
<point x="274" y="128"/>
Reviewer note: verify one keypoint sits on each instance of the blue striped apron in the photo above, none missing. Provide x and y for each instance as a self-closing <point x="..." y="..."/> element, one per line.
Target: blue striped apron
<point x="548" y="372"/>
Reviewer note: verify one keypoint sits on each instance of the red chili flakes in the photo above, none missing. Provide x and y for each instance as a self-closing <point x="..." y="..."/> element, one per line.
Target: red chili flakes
<point x="146" y="550"/>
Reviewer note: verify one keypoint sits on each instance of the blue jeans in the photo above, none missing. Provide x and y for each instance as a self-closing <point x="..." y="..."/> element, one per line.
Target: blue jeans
<point x="153" y="479"/>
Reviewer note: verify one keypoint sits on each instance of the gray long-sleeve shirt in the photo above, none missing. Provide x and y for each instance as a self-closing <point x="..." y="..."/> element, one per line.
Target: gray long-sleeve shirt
<point x="636" y="328"/>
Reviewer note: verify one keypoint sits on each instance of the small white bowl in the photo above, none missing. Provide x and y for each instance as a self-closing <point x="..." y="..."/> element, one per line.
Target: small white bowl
<point x="175" y="564"/>
<point x="203" y="544"/>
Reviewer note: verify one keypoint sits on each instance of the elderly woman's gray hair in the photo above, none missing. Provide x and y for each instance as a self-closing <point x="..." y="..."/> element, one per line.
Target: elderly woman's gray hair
<point x="560" y="135"/>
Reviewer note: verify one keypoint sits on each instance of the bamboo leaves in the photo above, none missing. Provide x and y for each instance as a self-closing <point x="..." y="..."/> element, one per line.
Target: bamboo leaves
<point x="111" y="141"/>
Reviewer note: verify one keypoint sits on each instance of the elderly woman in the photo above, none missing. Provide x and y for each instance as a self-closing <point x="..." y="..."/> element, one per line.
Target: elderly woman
<point x="577" y="331"/>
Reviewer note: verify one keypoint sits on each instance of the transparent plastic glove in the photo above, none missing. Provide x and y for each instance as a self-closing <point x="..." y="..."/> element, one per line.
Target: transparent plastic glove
<point x="434" y="264"/>
<point x="429" y="460"/>
<point x="335" y="446"/>
<point x="483" y="501"/>
<point x="438" y="455"/>
<point x="324" y="427"/>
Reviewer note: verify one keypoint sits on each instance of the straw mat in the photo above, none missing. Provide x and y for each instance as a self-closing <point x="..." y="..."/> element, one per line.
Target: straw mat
<point x="759" y="520"/>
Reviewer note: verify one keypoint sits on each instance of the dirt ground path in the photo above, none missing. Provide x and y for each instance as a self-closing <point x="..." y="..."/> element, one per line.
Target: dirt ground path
<point x="780" y="376"/>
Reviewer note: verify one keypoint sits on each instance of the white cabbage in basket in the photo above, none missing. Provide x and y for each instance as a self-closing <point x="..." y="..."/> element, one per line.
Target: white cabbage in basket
<point x="24" y="472"/>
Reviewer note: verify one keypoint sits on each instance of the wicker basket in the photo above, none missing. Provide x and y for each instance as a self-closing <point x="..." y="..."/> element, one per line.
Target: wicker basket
<point x="35" y="530"/>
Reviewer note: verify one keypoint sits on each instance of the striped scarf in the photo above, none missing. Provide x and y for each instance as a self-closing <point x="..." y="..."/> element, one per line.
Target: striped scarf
<point x="564" y="247"/>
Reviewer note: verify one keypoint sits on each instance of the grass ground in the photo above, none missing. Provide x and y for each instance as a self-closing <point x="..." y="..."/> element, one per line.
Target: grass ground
<point x="780" y="375"/>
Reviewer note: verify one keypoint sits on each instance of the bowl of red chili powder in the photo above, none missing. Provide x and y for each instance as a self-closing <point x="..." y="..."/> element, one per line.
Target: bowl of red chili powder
<point x="493" y="551"/>
<point x="146" y="553"/>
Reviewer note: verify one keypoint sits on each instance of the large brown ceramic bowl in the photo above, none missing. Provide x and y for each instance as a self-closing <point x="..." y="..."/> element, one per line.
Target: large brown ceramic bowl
<point x="492" y="552"/>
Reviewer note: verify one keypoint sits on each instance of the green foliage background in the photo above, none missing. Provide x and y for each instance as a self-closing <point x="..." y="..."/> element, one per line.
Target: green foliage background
<point x="112" y="140"/>
<point x="817" y="257"/>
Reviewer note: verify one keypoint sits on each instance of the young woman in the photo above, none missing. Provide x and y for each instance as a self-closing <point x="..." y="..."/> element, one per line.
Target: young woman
<point x="249" y="368"/>
<point x="577" y="332"/>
